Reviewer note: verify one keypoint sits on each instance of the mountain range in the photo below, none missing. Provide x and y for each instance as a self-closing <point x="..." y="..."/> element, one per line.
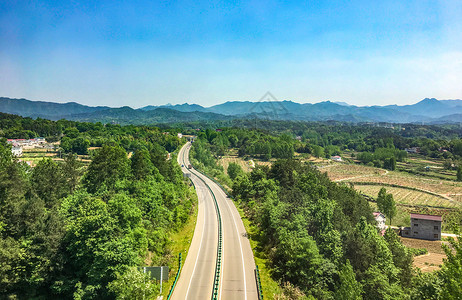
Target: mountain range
<point x="429" y="110"/>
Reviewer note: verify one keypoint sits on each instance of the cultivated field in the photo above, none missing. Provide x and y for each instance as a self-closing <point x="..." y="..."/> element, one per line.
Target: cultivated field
<point x="432" y="260"/>
<point x="33" y="156"/>
<point x="406" y="188"/>
<point x="344" y="172"/>
<point x="224" y="161"/>
<point x="407" y="196"/>
<point x="442" y="187"/>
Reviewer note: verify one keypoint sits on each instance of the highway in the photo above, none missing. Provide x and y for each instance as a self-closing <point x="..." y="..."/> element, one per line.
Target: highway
<point x="237" y="278"/>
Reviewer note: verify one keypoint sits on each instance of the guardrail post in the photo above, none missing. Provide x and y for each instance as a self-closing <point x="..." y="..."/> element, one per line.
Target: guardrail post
<point x="258" y="281"/>
<point x="176" y="278"/>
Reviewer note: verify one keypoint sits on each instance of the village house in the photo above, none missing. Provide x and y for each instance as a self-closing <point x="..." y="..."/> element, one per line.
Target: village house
<point x="336" y="158"/>
<point x="380" y="218"/>
<point x="16" y="150"/>
<point x="28" y="143"/>
<point x="425" y="227"/>
<point x="412" y="150"/>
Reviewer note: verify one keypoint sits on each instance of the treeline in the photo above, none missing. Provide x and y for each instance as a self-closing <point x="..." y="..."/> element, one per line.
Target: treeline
<point x="76" y="137"/>
<point x="383" y="157"/>
<point x="321" y="237"/>
<point x="67" y="232"/>
<point x="324" y="139"/>
<point x="249" y="143"/>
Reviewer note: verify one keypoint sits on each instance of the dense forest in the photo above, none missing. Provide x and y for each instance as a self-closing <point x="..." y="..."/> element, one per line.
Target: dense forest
<point x="74" y="232"/>
<point x="321" y="237"/>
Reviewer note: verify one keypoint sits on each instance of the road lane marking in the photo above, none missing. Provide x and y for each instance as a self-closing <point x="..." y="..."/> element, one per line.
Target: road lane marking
<point x="200" y="247"/>
<point x="239" y="238"/>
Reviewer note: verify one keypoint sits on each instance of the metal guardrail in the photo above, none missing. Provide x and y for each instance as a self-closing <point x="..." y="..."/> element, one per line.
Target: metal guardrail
<point x="176" y="278"/>
<point x="219" y="184"/>
<point x="259" y="289"/>
<point x="216" y="281"/>
<point x="257" y="271"/>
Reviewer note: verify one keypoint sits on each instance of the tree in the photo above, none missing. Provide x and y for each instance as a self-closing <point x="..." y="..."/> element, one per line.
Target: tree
<point x="133" y="284"/>
<point x="72" y="171"/>
<point x="402" y="258"/>
<point x="459" y="173"/>
<point x="386" y="204"/>
<point x="451" y="272"/>
<point x="109" y="165"/>
<point x="141" y="164"/>
<point x="318" y="151"/>
<point x="96" y="246"/>
<point x="348" y="287"/>
<point x="234" y="170"/>
<point x="390" y="163"/>
<point x="426" y="286"/>
<point x="48" y="182"/>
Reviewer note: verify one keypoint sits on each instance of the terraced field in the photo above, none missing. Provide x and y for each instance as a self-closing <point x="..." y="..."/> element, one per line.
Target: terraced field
<point x="443" y="187"/>
<point x="407" y="196"/>
<point x="406" y="188"/>
<point x="344" y="172"/>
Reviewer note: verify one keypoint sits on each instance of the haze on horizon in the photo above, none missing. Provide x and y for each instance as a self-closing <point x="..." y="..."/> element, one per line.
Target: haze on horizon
<point x="140" y="53"/>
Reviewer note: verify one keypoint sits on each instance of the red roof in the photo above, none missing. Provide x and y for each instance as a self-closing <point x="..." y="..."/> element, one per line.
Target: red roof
<point x="426" y="217"/>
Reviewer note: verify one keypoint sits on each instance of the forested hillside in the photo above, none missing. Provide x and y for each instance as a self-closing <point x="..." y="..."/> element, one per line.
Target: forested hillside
<point x="70" y="232"/>
<point x="317" y="235"/>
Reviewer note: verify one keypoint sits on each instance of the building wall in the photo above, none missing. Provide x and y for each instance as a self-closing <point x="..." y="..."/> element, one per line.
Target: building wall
<point x="423" y="229"/>
<point x="381" y="223"/>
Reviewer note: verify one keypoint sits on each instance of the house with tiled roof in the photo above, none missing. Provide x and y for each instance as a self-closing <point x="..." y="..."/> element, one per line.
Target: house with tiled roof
<point x="425" y="227"/>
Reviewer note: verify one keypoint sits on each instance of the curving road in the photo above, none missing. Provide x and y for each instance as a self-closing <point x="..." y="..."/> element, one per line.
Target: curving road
<point x="237" y="280"/>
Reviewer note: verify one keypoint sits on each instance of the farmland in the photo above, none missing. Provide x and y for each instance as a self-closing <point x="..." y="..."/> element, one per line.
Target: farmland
<point x="406" y="188"/>
<point x="33" y="156"/>
<point x="428" y="262"/>
<point x="407" y="196"/>
<point x="345" y="172"/>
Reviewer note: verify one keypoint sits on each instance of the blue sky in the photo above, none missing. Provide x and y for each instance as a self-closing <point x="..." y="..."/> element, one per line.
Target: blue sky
<point x="139" y="53"/>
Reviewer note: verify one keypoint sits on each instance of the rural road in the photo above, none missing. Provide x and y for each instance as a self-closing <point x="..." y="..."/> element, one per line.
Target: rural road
<point x="237" y="280"/>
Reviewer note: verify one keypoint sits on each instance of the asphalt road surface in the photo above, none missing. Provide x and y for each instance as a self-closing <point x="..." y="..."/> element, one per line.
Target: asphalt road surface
<point x="237" y="280"/>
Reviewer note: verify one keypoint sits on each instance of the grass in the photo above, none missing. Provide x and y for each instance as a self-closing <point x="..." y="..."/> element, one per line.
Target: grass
<point x="180" y="242"/>
<point x="270" y="287"/>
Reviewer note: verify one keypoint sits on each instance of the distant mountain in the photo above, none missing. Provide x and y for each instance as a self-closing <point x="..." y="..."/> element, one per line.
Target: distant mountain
<point x="342" y="103"/>
<point x="49" y="110"/>
<point x="430" y="107"/>
<point x="453" y="103"/>
<point x="126" y="115"/>
<point x="428" y="110"/>
<point x="451" y="119"/>
<point x="179" y="107"/>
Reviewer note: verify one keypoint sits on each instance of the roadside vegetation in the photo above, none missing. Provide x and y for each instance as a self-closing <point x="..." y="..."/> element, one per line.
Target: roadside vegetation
<point x="70" y="231"/>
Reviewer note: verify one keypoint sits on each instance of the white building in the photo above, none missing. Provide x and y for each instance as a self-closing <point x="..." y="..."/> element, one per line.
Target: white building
<point x="380" y="218"/>
<point x="336" y="158"/>
<point x="17" y="151"/>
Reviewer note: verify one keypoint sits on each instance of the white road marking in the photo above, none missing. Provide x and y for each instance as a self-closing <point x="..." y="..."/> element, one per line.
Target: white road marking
<point x="240" y="244"/>
<point x="198" y="253"/>
<point x="197" y="257"/>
